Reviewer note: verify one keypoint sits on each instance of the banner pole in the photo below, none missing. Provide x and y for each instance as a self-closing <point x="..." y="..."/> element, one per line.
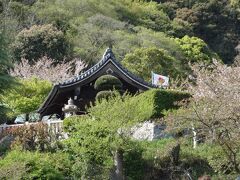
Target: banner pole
<point x="152" y="77"/>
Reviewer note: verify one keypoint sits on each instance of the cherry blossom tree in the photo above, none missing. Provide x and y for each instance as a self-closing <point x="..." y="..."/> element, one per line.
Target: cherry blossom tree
<point x="46" y="68"/>
<point x="214" y="110"/>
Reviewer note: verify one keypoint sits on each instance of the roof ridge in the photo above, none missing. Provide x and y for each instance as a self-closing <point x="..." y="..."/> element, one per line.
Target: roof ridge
<point x="108" y="54"/>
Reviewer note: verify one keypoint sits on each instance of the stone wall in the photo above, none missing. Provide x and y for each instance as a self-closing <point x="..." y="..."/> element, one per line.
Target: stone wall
<point x="148" y="131"/>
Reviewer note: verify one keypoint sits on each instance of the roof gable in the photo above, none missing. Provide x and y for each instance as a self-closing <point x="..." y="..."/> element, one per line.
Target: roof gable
<point x="107" y="59"/>
<point x="108" y="56"/>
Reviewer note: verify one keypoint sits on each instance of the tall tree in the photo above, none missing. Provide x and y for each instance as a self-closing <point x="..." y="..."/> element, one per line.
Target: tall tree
<point x="4" y="63"/>
<point x="5" y="79"/>
<point x="144" y="60"/>
<point x="39" y="41"/>
<point x="213" y="112"/>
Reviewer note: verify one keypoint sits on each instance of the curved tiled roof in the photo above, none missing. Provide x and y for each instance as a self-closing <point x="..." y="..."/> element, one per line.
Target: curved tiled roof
<point x="107" y="57"/>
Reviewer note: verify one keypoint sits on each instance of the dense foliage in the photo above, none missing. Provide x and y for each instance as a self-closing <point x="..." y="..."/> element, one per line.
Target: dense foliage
<point x="106" y="95"/>
<point x="26" y="96"/>
<point x="196" y="50"/>
<point x="124" y="25"/>
<point x="107" y="87"/>
<point x="144" y="60"/>
<point x="216" y="22"/>
<point x="39" y="41"/>
<point x="35" y="137"/>
<point x="104" y="130"/>
<point x="5" y="79"/>
<point x="163" y="36"/>
<point x="34" y="165"/>
<point x="94" y="138"/>
<point x="149" y="160"/>
<point x="107" y="82"/>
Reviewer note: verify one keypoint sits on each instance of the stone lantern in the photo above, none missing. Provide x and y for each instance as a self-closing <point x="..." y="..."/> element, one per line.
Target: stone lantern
<point x="70" y="109"/>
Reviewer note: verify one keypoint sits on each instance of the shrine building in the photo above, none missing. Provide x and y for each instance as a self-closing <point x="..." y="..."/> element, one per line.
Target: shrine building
<point x="80" y="89"/>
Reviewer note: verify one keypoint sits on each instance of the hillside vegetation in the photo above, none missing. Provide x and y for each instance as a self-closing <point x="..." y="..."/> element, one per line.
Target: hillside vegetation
<point x="194" y="42"/>
<point x="85" y="28"/>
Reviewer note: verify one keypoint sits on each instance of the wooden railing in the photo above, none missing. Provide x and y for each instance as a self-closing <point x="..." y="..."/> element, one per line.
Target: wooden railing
<point x="56" y="126"/>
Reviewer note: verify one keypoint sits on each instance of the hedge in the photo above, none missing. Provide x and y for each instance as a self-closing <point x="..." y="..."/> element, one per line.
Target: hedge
<point x="148" y="105"/>
<point x="107" y="82"/>
<point x="158" y="100"/>
<point x="105" y="95"/>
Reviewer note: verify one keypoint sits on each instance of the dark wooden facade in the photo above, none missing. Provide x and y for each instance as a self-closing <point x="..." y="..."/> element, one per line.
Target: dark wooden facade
<point x="81" y="88"/>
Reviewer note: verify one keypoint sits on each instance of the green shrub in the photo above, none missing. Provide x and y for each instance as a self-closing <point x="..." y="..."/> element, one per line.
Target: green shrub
<point x="157" y="152"/>
<point x="211" y="153"/>
<point x="156" y="160"/>
<point x="134" y="163"/>
<point x="139" y="108"/>
<point x="90" y="146"/>
<point x="13" y="170"/>
<point x="105" y="95"/>
<point x="70" y="123"/>
<point x="207" y="159"/>
<point x="107" y="82"/>
<point x="195" y="161"/>
<point x="157" y="100"/>
<point x="158" y="155"/>
<point x="26" y="96"/>
<point x="146" y="158"/>
<point x="34" y="165"/>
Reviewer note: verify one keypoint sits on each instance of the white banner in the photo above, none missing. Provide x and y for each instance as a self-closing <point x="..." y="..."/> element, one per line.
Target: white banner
<point x="159" y="80"/>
